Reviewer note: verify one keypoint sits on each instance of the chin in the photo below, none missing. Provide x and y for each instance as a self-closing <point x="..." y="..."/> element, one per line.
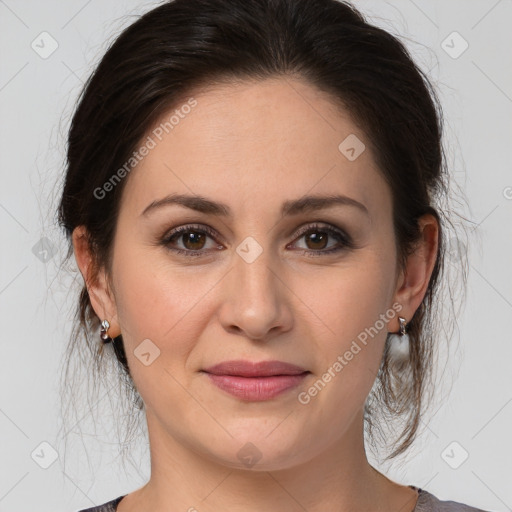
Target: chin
<point x="262" y="452"/>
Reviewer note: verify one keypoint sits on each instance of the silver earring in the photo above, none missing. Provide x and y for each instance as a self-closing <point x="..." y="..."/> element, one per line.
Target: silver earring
<point x="104" y="331"/>
<point x="399" y="344"/>
<point x="403" y="326"/>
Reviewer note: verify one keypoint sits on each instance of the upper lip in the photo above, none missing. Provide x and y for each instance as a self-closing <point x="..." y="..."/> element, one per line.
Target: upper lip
<point x="255" y="369"/>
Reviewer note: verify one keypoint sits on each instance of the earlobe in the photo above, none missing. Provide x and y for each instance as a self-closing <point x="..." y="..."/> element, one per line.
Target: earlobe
<point x="415" y="278"/>
<point x="100" y="295"/>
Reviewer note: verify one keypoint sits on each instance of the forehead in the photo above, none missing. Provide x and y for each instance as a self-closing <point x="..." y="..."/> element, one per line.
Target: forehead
<point x="255" y="141"/>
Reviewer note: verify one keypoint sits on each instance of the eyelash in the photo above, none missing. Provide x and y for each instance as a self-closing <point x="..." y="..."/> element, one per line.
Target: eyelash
<point x="342" y="238"/>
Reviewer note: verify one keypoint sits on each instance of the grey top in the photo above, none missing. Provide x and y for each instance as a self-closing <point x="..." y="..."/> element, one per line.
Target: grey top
<point x="426" y="503"/>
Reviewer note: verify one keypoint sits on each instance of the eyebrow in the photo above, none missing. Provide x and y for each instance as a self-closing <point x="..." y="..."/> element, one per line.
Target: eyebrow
<point x="291" y="207"/>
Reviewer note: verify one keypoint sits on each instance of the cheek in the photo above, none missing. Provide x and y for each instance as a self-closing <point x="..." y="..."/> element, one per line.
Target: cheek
<point x="350" y="298"/>
<point x="161" y="302"/>
<point x="167" y="307"/>
<point x="348" y="307"/>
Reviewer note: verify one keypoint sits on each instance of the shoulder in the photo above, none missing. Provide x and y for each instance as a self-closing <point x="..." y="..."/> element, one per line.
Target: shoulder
<point x="427" y="502"/>
<point x="110" y="506"/>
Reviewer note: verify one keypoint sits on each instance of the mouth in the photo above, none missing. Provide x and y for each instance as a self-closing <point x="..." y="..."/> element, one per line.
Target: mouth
<point x="256" y="381"/>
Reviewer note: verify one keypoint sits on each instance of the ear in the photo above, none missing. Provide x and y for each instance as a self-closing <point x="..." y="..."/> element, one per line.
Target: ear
<point x="101" y="297"/>
<point x="413" y="281"/>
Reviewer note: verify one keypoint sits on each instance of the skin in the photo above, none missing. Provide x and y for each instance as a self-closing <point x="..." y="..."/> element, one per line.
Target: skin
<point x="252" y="146"/>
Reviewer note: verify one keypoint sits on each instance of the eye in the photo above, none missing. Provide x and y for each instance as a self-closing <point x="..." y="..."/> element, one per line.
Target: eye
<point x="316" y="238"/>
<point x="193" y="239"/>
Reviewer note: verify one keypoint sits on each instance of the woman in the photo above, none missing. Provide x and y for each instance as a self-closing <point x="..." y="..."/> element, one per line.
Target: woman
<point x="251" y="200"/>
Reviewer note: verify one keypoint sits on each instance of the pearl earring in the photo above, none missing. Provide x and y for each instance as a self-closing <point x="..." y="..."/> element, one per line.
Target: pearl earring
<point x="104" y="332"/>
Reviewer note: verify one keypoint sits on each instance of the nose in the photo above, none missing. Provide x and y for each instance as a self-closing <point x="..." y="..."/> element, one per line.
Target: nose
<point x="256" y="299"/>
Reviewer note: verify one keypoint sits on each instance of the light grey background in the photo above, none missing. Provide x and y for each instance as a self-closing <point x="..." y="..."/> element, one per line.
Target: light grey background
<point x="36" y="100"/>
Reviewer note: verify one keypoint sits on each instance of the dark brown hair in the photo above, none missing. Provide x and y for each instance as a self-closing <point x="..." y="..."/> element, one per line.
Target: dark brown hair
<point x="183" y="45"/>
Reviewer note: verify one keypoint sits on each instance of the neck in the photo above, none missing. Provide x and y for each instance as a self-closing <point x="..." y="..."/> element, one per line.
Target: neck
<point x="338" y="479"/>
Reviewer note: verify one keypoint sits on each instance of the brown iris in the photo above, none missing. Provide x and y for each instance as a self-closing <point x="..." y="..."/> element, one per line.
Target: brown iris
<point x="192" y="239"/>
<point x="317" y="239"/>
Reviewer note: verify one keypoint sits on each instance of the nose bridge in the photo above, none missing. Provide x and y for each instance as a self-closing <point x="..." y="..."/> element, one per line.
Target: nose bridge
<point x="254" y="260"/>
<point x="254" y="269"/>
<point x="256" y="302"/>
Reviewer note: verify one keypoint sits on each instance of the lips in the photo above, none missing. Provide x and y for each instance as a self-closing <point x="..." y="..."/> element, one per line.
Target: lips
<point x="256" y="382"/>
<point x="242" y="368"/>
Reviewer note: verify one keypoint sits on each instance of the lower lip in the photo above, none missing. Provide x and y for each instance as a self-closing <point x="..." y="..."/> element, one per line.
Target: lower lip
<point x="256" y="388"/>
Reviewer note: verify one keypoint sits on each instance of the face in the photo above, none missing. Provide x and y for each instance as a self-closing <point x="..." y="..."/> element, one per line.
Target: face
<point x="251" y="281"/>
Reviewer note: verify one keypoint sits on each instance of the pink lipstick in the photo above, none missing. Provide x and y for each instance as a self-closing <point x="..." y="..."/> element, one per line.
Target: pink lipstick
<point x="256" y="381"/>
